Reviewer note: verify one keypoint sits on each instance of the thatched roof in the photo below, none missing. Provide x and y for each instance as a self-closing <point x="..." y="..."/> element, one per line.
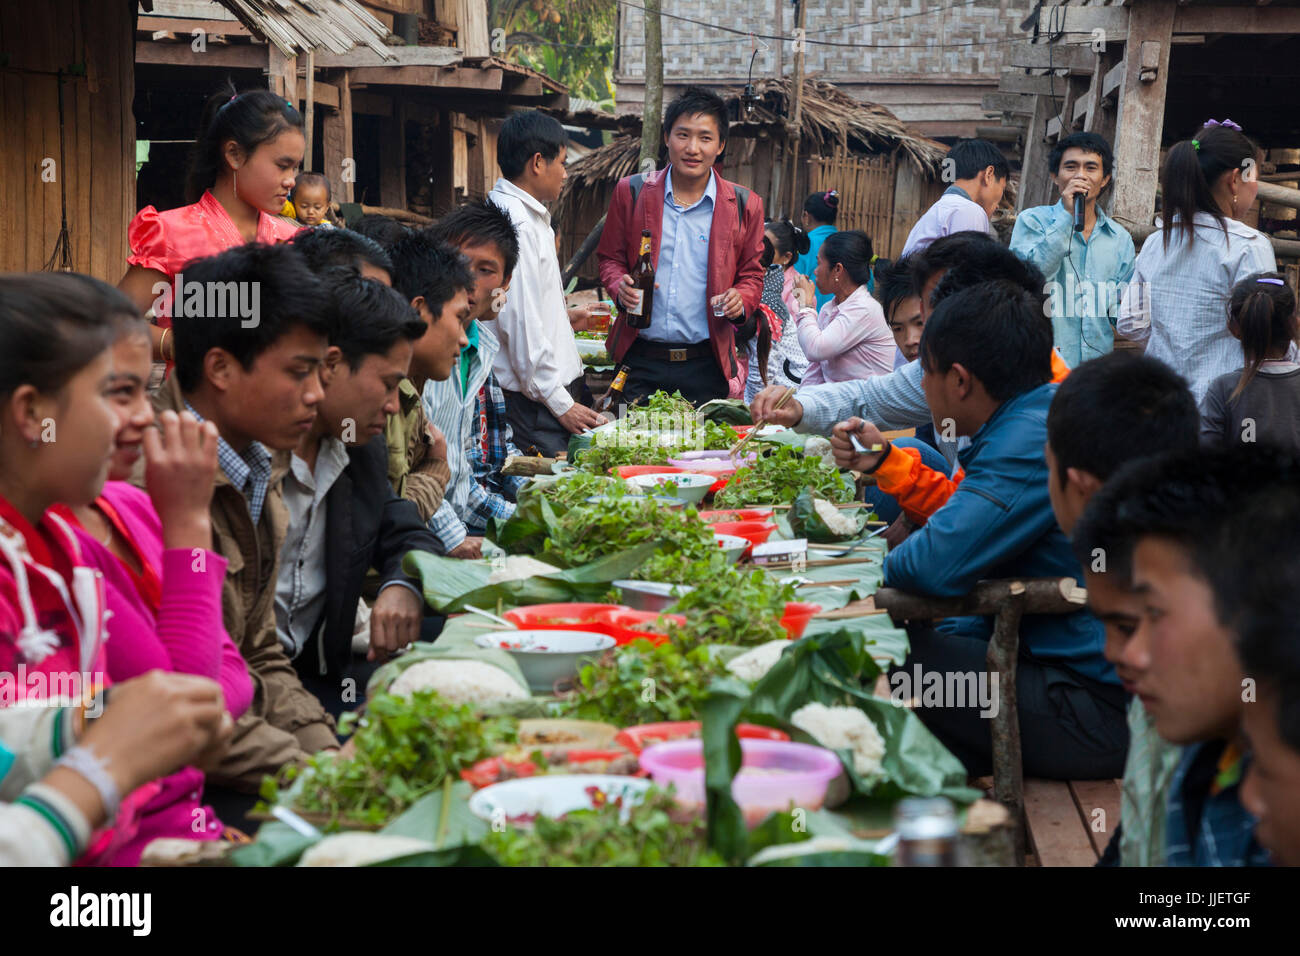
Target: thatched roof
<point x="296" y="26"/>
<point x="829" y="116"/>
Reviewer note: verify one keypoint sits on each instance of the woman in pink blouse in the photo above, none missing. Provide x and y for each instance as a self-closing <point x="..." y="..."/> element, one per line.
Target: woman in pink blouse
<point x="245" y="159"/>
<point x="849" y="338"/>
<point x="162" y="581"/>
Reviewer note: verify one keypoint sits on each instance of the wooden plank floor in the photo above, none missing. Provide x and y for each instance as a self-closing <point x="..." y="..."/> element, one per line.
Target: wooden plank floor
<point x="1070" y="823"/>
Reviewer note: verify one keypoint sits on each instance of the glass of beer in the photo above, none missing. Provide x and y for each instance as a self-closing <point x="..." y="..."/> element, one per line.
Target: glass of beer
<point x="600" y="313"/>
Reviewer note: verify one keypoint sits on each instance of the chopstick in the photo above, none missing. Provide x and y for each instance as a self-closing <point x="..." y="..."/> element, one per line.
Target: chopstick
<point x="780" y="403"/>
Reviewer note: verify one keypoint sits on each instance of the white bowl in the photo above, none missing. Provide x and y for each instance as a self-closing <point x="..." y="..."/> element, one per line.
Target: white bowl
<point x="733" y="546"/>
<point x="650" y="595"/>
<point x="551" y="795"/>
<point x="690" y="486"/>
<point x="590" y="346"/>
<point x="546" y="656"/>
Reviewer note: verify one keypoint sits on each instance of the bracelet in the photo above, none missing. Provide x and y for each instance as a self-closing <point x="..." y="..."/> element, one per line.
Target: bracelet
<point x="162" y="345"/>
<point x="83" y="761"/>
<point x="884" y="453"/>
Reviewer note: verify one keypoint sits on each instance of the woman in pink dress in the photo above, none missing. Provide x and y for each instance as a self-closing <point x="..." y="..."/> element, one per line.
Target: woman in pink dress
<point x="162" y="581"/>
<point x="248" y="151"/>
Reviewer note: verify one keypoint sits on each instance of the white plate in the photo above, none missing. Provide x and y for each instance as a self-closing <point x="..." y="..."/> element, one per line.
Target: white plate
<point x="551" y="795"/>
<point x="590" y="346"/>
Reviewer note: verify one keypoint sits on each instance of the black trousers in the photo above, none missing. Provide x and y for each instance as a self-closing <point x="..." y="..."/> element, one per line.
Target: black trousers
<point x="699" y="379"/>
<point x="536" y="430"/>
<point x="1071" y="727"/>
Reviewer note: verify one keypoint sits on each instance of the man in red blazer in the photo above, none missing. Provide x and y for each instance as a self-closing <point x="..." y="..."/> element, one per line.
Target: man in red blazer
<point x="706" y="239"/>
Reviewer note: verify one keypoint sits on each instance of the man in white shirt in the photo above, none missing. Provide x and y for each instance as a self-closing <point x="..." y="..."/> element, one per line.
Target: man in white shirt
<point x="538" y="366"/>
<point x="979" y="177"/>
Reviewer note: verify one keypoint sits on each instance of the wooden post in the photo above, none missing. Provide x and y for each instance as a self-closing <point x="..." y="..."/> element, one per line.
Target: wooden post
<point x="282" y="73"/>
<point x="794" y="130"/>
<point x="1008" y="771"/>
<point x="652" y="116"/>
<point x="309" y="118"/>
<point x="1142" y="109"/>
<point x="1034" y="187"/>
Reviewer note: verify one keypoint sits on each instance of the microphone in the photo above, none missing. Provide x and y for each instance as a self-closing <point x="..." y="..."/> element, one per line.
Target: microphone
<point x="1079" y="212"/>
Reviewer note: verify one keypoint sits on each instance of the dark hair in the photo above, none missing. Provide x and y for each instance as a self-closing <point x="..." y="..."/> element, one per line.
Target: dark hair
<point x="1098" y="534"/>
<point x="523" y="136"/>
<point x="1114" y="408"/>
<point x="695" y="100"/>
<point x="250" y="118"/>
<point x="969" y="261"/>
<point x="324" y="248"/>
<point x="288" y="294"/>
<point x="311" y="179"/>
<point x="1233" y="511"/>
<point x="996" y="330"/>
<point x="1191" y="169"/>
<point x="54" y="324"/>
<point x="477" y="223"/>
<point x="850" y="248"/>
<point x="422" y="266"/>
<point x="823" y="207"/>
<point x="367" y="317"/>
<point x="893" y="283"/>
<point x="790" y="239"/>
<point x="972" y="156"/>
<point x="1089" y="143"/>
<point x="1264" y="312"/>
<point x="383" y="229"/>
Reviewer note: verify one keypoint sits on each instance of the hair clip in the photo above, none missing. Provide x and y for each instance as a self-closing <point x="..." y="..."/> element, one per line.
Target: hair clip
<point x="1227" y="124"/>
<point x="873" y="260"/>
<point x="1272" y="281"/>
<point x="1196" y="145"/>
<point x="830" y="194"/>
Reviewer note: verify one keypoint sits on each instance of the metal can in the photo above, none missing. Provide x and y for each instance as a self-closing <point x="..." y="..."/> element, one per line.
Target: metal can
<point x="927" y="832"/>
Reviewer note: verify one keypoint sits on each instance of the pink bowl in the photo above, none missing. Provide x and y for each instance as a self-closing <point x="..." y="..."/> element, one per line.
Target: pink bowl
<point x="710" y="460"/>
<point x="774" y="774"/>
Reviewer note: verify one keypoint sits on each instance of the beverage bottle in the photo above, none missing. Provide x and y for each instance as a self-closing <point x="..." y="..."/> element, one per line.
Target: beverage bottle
<point x="927" y="832"/>
<point x="643" y="281"/>
<point x="614" y="394"/>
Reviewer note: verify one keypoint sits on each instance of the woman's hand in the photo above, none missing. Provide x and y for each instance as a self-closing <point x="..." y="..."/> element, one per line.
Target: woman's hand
<point x="180" y="468"/>
<point x="804" y="292"/>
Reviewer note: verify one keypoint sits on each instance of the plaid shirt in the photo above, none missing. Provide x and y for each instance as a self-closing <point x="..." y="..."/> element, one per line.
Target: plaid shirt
<point x="249" y="472"/>
<point x="496" y="444"/>
<point x="1206" y="824"/>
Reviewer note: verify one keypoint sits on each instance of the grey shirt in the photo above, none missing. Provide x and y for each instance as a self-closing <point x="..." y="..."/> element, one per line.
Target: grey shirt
<point x="1268" y="409"/>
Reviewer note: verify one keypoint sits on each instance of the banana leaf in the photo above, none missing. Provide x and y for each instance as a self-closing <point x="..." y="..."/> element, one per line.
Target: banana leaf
<point x="834" y="668"/>
<point x="449" y="583"/>
<point x="806" y="522"/>
<point x="727" y="411"/>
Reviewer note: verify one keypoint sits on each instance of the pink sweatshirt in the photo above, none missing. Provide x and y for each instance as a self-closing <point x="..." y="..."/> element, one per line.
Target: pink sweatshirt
<point x="186" y="636"/>
<point x="846" y="341"/>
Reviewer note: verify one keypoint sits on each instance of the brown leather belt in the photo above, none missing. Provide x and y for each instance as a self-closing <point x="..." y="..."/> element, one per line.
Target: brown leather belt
<point x="671" y="353"/>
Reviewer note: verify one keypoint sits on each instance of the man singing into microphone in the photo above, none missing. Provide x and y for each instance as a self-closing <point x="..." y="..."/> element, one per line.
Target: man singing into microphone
<point x="1086" y="256"/>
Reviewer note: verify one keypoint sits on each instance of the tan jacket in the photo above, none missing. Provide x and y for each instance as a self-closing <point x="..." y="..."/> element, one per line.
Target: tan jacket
<point x="285" y="722"/>
<point x="413" y="471"/>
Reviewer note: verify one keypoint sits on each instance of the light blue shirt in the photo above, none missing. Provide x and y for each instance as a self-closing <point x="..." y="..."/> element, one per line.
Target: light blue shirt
<point x="1085" y="280"/>
<point x="807" y="262"/>
<point x="680" y="311"/>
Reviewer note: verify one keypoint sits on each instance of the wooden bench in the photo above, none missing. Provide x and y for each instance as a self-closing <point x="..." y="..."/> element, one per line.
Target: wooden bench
<point x="1006" y="601"/>
<point x="1069" y="824"/>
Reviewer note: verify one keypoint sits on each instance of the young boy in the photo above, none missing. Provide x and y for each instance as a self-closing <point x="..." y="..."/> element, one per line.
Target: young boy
<point x="706" y="236"/>
<point x="311" y="199"/>
<point x="436" y="280"/>
<point x="1177" y="511"/>
<point x="344" y="517"/>
<point x="538" y="364"/>
<point x="470" y="406"/>
<point x="1089" y="269"/>
<point x="1108" y="412"/>
<point x="260" y="386"/>
<point x="986" y="358"/>
<point x="901" y="304"/>
<point x="328" y="248"/>
<point x="980" y="173"/>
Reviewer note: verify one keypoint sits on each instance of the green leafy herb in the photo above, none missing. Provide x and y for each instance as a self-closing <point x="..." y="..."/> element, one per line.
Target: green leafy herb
<point x="778" y="478"/>
<point x="405" y="748"/>
<point x="590" y="531"/>
<point x="640" y="683"/>
<point x="730" y="606"/>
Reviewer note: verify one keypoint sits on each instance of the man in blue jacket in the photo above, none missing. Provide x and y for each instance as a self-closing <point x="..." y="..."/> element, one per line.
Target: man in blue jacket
<point x="986" y="357"/>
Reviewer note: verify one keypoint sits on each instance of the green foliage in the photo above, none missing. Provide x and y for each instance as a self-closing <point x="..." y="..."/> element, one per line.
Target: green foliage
<point x="571" y="42"/>
<point x="655" y="832"/>
<point x="404" y="749"/>
<point x="591" y="531"/>
<point x="778" y="478"/>
<point x="641" y="683"/>
<point x="729" y="606"/>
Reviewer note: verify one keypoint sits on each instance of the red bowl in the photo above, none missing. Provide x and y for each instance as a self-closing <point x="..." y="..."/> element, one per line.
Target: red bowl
<point x="626" y="625"/>
<point x="737" y="514"/>
<point x="562" y="617"/>
<point x="796" y="617"/>
<point x="635" y="738"/>
<point x="742" y="430"/>
<point x="631" y="471"/>
<point x="755" y="532"/>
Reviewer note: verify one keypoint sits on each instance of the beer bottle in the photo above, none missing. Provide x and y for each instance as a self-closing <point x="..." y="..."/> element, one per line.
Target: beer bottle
<point x="643" y="280"/>
<point x="614" y="394"/>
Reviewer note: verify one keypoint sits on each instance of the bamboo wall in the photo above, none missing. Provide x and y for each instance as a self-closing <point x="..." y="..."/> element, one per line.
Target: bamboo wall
<point x="99" y="133"/>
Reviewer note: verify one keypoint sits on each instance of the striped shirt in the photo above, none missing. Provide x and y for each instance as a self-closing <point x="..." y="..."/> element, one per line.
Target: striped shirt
<point x="1177" y="302"/>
